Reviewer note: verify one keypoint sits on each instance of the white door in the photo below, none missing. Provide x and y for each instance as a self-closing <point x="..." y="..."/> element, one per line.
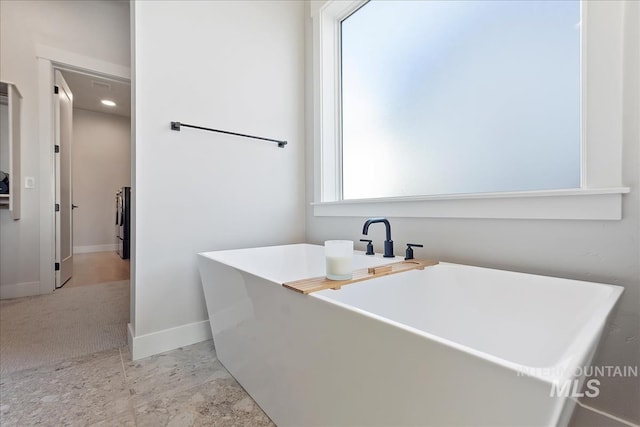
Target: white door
<point x="64" y="191"/>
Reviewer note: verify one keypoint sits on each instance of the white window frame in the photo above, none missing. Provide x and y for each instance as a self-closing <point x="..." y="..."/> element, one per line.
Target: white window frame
<point x="600" y="194"/>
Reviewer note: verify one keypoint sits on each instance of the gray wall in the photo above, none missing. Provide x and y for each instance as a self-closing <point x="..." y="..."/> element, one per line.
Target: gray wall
<point x="597" y="251"/>
<point x="101" y="165"/>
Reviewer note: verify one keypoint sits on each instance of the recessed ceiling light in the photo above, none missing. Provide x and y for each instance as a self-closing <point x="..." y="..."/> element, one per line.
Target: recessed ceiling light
<point x="108" y="103"/>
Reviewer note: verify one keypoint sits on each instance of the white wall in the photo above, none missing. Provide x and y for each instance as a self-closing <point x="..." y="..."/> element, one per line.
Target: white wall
<point x="227" y="65"/>
<point x="598" y="251"/>
<point x="95" y="29"/>
<point x="101" y="166"/>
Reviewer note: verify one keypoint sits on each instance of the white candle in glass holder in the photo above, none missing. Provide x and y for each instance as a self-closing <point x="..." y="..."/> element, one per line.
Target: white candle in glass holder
<point x="339" y="258"/>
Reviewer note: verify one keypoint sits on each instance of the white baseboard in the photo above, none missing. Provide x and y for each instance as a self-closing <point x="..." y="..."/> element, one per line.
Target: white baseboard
<point x="94" y="248"/>
<point x="18" y="290"/>
<point x="130" y="334"/>
<point x="168" y="339"/>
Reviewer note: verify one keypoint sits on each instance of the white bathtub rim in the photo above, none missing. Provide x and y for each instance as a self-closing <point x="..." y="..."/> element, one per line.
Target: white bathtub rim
<point x="574" y="354"/>
<point x="278" y="280"/>
<point x="211" y="255"/>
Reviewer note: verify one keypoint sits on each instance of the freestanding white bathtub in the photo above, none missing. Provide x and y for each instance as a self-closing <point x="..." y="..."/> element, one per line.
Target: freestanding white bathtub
<point x="444" y="346"/>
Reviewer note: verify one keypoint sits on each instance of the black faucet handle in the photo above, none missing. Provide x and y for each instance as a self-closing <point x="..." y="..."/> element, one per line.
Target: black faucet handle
<point x="409" y="251"/>
<point x="369" y="246"/>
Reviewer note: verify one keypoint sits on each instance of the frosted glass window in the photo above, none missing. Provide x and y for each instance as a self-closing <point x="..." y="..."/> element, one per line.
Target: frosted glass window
<point x="450" y="97"/>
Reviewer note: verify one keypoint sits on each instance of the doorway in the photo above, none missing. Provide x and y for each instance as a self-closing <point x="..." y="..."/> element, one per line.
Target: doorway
<point x="92" y="163"/>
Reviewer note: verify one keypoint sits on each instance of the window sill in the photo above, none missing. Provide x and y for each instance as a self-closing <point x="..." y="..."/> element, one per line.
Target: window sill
<point x="576" y="204"/>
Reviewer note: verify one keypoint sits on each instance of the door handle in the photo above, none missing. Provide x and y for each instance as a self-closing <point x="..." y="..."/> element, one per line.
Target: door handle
<point x="74" y="206"/>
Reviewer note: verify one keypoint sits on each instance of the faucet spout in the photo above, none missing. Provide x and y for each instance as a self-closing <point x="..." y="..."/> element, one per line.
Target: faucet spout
<point x="388" y="244"/>
<point x="385" y="221"/>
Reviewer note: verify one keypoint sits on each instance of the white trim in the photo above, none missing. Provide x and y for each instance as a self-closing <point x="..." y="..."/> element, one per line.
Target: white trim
<point x="87" y="63"/>
<point x="326" y="100"/>
<point x="19" y="290"/>
<point x="603" y="36"/>
<point x="132" y="232"/>
<point x="9" y="82"/>
<point x="600" y="204"/>
<point x="47" y="191"/>
<point x="130" y="334"/>
<point x="48" y="58"/>
<point x="168" y="339"/>
<point x="583" y="99"/>
<point x="601" y="151"/>
<point x="95" y="248"/>
<point x="500" y="195"/>
<point x="14" y="107"/>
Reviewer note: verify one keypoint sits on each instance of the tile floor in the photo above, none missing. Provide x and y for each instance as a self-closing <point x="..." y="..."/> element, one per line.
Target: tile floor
<point x="183" y="387"/>
<point x="180" y="388"/>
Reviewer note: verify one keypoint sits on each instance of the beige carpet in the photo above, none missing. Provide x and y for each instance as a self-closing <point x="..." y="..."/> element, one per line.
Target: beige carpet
<point x="44" y="329"/>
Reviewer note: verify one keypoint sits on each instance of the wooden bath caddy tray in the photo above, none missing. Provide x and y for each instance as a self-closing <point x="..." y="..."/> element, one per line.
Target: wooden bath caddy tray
<point x="306" y="286"/>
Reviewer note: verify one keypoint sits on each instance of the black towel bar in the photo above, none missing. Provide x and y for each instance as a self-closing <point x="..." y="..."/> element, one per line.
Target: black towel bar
<point x="178" y="125"/>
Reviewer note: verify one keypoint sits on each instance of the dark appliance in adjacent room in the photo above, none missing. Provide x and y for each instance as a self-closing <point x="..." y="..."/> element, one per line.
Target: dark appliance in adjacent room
<point x="123" y="222"/>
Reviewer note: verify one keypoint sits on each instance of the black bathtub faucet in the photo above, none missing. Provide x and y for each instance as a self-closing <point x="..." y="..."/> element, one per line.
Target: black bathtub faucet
<point x="388" y="244"/>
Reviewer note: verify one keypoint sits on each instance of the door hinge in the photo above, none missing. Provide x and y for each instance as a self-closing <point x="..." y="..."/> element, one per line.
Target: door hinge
<point x="56" y="148"/>
<point x="57" y="266"/>
<point x="57" y="207"/>
<point x="55" y="89"/>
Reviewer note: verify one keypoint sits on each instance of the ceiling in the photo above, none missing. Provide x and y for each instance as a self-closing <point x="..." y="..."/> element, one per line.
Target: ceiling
<point x="89" y="90"/>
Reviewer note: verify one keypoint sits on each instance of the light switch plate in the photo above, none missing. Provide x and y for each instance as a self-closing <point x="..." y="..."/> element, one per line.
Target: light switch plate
<point x="29" y="182"/>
